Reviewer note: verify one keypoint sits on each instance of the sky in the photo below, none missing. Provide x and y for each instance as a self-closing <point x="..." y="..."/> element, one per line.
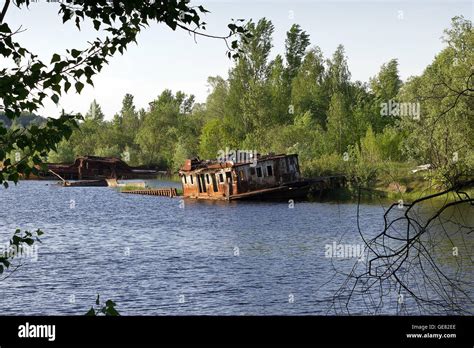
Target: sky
<point x="372" y="32"/>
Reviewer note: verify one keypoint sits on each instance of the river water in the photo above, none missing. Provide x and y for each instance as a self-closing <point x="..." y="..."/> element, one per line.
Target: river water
<point x="157" y="255"/>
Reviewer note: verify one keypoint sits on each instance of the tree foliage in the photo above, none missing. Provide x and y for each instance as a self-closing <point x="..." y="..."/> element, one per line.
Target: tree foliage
<point x="302" y="102"/>
<point x="28" y="81"/>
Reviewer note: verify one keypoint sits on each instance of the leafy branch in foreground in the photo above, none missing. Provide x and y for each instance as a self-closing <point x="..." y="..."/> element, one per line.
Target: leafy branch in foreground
<point x="20" y="245"/>
<point x="27" y="82"/>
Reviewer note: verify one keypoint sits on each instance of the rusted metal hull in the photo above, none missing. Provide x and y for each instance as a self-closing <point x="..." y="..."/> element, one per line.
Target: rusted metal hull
<point x="95" y="168"/>
<point x="266" y="177"/>
<point x="226" y="180"/>
<point x="295" y="190"/>
<point x="274" y="194"/>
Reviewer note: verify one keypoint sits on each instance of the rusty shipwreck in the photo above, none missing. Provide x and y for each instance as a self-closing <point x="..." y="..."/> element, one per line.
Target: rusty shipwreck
<point x="97" y="168"/>
<point x="263" y="177"/>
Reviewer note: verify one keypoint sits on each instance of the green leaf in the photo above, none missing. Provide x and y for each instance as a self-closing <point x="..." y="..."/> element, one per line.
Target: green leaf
<point x="75" y="53"/>
<point x="79" y="86"/>
<point x="4" y="28"/>
<point x="56" y="88"/>
<point x="56" y="58"/>
<point x="55" y="98"/>
<point x="110" y="303"/>
<point x="91" y="313"/>
<point x="111" y="311"/>
<point x="16" y="240"/>
<point x="29" y="241"/>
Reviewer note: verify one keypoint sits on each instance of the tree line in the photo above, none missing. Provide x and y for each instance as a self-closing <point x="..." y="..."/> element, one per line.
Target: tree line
<point x="303" y="102"/>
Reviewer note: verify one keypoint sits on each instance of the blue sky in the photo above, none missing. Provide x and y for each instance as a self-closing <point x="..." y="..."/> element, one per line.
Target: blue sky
<point x="372" y="32"/>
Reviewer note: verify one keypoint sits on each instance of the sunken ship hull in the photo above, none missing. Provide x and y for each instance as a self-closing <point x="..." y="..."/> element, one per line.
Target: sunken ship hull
<point x="96" y="168"/>
<point x="270" y="177"/>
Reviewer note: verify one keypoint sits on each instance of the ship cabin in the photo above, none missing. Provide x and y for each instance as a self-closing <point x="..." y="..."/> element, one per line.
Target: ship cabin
<point x="226" y="180"/>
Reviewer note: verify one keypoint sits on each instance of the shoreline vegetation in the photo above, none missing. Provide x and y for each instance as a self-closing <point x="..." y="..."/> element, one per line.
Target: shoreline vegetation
<point x="375" y="133"/>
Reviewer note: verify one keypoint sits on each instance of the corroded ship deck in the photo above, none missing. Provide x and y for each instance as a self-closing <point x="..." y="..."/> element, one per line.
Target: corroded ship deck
<point x="260" y="177"/>
<point x="97" y="168"/>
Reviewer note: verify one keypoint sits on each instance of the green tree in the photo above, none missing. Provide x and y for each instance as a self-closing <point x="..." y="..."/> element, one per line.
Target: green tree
<point x="339" y="122"/>
<point x="308" y="90"/>
<point x="279" y="93"/>
<point x="390" y="143"/>
<point x="387" y="83"/>
<point x="64" y="153"/>
<point x="217" y="99"/>
<point x="211" y="140"/>
<point x="338" y="74"/>
<point x="249" y="97"/>
<point x="95" y="112"/>
<point x="366" y="159"/>
<point x="297" y="40"/>
<point x="442" y="134"/>
<point x="159" y="133"/>
<point x="385" y="87"/>
<point x="31" y="82"/>
<point x="122" y="131"/>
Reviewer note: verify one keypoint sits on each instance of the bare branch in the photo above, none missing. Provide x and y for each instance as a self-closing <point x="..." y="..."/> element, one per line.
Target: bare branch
<point x="4" y="11"/>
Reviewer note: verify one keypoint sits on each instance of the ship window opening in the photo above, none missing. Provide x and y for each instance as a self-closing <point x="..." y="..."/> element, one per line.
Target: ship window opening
<point x="203" y="183"/>
<point x="242" y="175"/>
<point x="207" y="179"/>
<point x="185" y="181"/>
<point x="259" y="172"/>
<point x="221" y="177"/>
<point x="191" y="179"/>
<point x="199" y="183"/>
<point x="252" y="171"/>
<point x="270" y="170"/>
<point x="214" y="183"/>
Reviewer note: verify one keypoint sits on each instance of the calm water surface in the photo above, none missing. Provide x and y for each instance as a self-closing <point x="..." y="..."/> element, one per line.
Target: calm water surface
<point x="154" y="255"/>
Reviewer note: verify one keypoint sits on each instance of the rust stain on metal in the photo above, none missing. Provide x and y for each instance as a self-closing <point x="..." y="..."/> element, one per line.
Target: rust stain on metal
<point x="269" y="176"/>
<point x="93" y="167"/>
